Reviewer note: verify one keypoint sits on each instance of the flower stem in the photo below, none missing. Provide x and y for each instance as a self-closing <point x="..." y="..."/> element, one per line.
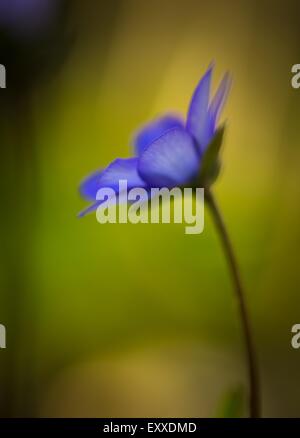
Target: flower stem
<point x="254" y="396"/>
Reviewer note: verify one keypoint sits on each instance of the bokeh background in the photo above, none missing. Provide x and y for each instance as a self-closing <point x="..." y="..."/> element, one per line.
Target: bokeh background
<point x="123" y="320"/>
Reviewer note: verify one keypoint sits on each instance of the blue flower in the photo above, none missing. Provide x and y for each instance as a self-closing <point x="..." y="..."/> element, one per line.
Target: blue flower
<point x="168" y="152"/>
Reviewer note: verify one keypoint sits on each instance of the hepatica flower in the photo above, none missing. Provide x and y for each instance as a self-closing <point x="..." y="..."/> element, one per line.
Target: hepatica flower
<point x="169" y="152"/>
<point x="172" y="153"/>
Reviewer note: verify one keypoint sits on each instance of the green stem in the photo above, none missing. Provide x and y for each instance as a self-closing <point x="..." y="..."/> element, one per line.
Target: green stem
<point x="254" y="401"/>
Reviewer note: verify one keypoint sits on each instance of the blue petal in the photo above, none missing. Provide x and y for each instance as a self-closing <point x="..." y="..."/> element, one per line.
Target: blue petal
<point x="199" y="122"/>
<point x="171" y="160"/>
<point x="154" y="130"/>
<point x="90" y="185"/>
<point x="219" y="99"/>
<point x="119" y="169"/>
<point x="89" y="209"/>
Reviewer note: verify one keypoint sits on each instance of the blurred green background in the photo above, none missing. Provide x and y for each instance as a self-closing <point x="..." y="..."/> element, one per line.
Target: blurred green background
<point x="123" y="320"/>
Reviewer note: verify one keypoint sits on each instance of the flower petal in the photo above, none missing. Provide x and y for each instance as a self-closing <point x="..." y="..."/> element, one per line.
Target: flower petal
<point x="154" y="130"/>
<point x="119" y="169"/>
<point x="90" y="185"/>
<point x="198" y="119"/>
<point x="219" y="99"/>
<point x="171" y="160"/>
<point x="89" y="209"/>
